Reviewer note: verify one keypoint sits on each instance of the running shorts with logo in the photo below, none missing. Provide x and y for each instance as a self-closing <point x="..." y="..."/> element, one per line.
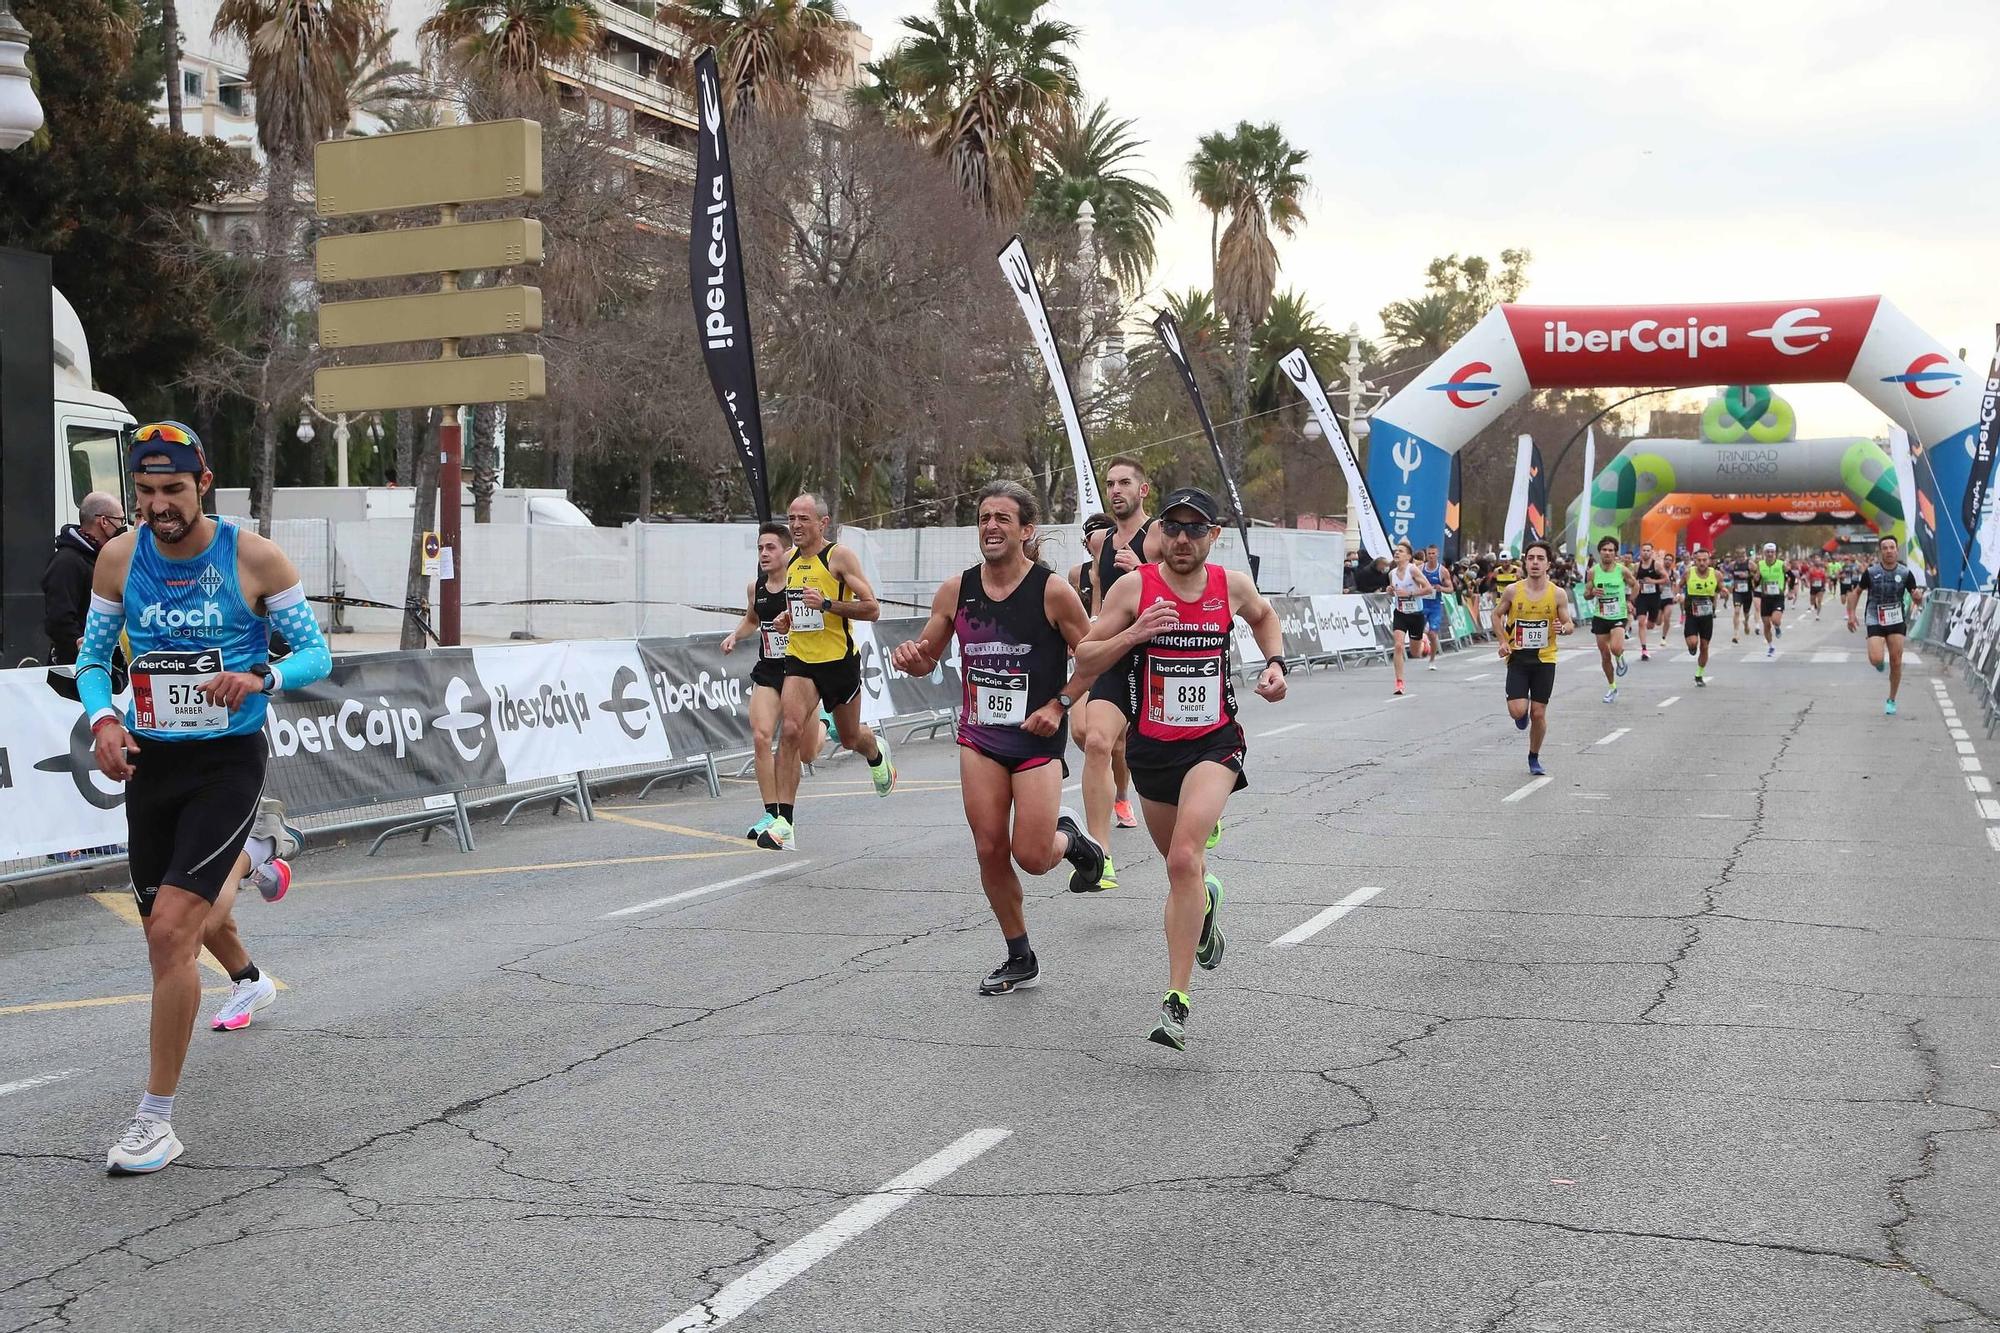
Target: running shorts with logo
<point x="819" y="646"/>
<point x="1884" y="611"/>
<point x="1187" y="698"/>
<point x="767" y="606"/>
<point x="189" y="806"/>
<point x="1014" y="662"/>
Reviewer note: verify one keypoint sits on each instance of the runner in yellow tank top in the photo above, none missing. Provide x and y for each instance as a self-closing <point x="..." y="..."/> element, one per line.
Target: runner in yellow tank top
<point x="1704" y="587"/>
<point x="1527" y="616"/>
<point x="824" y="589"/>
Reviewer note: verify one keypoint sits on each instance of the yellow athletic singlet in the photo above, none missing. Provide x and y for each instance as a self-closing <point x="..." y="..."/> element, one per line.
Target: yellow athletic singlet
<point x="1702" y="589"/>
<point x="817" y="634"/>
<point x="1531" y="620"/>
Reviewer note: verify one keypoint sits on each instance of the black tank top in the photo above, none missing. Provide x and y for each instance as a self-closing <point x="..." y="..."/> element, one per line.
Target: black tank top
<point x="1108" y="571"/>
<point x="767" y="606"/>
<point x="1015" y="660"/>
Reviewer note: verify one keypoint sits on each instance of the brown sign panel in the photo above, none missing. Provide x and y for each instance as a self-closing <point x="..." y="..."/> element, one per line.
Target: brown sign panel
<point x="447" y="383"/>
<point x="459" y="164"/>
<point x="450" y="249"/>
<point x="425" y="318"/>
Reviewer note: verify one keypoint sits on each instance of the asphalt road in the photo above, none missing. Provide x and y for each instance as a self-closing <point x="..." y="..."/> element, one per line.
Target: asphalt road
<point x="1697" y="1035"/>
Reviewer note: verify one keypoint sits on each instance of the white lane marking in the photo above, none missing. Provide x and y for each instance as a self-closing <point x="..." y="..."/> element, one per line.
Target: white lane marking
<point x="1668" y="702"/>
<point x="1911" y="659"/>
<point x="1606" y="740"/>
<point x="1993" y="836"/>
<point x="1534" y="785"/>
<point x="705" y="889"/>
<point x="1989" y="808"/>
<point x="22" y="1085"/>
<point x="1960" y="734"/>
<point x="1300" y="934"/>
<point x="1829" y="657"/>
<point x="744" y="1292"/>
<point x="1591" y="795"/>
<point x="1978" y="784"/>
<point x="1481" y="676"/>
<point x="1964" y="747"/>
<point x="1279" y="731"/>
<point x="1968" y="765"/>
<point x="1074" y="786"/>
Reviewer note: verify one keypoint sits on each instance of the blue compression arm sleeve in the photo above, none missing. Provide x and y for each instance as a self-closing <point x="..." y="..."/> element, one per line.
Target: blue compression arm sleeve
<point x="310" y="660"/>
<point x="101" y="626"/>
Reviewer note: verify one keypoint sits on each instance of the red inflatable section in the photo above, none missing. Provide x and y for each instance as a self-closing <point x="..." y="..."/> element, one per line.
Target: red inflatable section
<point x="1689" y="346"/>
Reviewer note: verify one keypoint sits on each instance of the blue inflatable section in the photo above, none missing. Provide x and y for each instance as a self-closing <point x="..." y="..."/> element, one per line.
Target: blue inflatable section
<point x="1410" y="479"/>
<point x="1945" y="470"/>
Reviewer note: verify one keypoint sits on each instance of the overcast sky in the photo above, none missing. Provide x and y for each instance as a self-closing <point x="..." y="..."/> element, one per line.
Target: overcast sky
<point x="1696" y="151"/>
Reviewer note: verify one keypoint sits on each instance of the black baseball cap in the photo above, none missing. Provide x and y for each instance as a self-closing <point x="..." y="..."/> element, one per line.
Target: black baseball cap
<point x="1195" y="498"/>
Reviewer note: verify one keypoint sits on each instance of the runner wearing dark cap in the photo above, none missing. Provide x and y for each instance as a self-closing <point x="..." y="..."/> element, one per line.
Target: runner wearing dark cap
<point x="196" y="600"/>
<point x="1186" y="748"/>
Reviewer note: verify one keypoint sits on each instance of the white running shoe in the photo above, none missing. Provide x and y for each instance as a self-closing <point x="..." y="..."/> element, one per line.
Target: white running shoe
<point x="270" y="823"/>
<point x="245" y="999"/>
<point x="146" y="1145"/>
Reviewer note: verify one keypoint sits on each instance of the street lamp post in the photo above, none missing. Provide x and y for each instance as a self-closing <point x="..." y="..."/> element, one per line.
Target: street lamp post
<point x="20" y="111"/>
<point x="1353" y="369"/>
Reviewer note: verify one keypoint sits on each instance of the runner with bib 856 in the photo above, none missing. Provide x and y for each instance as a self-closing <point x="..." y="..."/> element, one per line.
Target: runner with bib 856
<point x="1186" y="747"/>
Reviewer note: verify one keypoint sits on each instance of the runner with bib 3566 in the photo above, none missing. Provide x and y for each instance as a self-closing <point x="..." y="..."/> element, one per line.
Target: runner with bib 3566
<point x="766" y="618"/>
<point x="1187" y="746"/>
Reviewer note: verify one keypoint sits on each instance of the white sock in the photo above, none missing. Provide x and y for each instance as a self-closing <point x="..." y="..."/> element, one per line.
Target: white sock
<point x="261" y="851"/>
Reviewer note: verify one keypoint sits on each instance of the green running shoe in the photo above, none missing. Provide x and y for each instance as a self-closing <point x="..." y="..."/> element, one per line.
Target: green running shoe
<point x="1172" y="1030"/>
<point x="1108" y="880"/>
<point x="778" y="837"/>
<point x="765" y="821"/>
<point x="884" y="771"/>
<point x="1215" y="835"/>
<point x="1208" y="952"/>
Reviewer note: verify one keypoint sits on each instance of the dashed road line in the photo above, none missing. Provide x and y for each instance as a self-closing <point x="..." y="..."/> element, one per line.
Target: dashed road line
<point x="1529" y="789"/>
<point x="39" y="1080"/>
<point x="1279" y="731"/>
<point x="654" y="904"/>
<point x="1668" y="702"/>
<point x="740" y="1295"/>
<point x="1606" y="740"/>
<point x="1313" y="926"/>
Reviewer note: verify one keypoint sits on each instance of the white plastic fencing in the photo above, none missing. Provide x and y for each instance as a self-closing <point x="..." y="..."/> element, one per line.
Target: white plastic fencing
<point x="656" y="574"/>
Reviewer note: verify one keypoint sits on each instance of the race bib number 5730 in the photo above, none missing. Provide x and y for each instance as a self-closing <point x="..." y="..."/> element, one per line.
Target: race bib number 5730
<point x="166" y="694"/>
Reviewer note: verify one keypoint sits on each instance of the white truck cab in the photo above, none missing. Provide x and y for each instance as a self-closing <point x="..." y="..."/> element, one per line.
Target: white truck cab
<point x="90" y="426"/>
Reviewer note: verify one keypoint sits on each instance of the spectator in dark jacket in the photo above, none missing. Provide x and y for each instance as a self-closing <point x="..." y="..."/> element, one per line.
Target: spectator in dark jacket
<point x="1373" y="577"/>
<point x="66" y="581"/>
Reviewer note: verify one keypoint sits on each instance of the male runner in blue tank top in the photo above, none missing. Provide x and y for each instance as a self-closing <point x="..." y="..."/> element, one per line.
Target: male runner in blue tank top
<point x="1016" y="624"/>
<point x="196" y="600"/>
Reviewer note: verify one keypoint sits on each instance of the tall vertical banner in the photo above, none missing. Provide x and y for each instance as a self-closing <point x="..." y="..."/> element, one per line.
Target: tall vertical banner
<point x="1583" y="500"/>
<point x="1986" y="439"/>
<point x="1538" y="495"/>
<point x="1454" y="510"/>
<point x="1912" y="499"/>
<point x="715" y="281"/>
<point x="1514" y="534"/>
<point x="1300" y="372"/>
<point x="1170" y="338"/>
<point x="1020" y="272"/>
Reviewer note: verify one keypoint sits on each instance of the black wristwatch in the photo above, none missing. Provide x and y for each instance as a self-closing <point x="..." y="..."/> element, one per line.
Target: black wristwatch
<point x="1066" y="702"/>
<point x="1278" y="662"/>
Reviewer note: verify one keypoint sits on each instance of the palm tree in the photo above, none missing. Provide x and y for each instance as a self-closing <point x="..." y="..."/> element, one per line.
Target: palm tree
<point x="170" y="42"/>
<point x="1426" y="325"/>
<point x="988" y="83"/>
<point x="511" y="40"/>
<point x="1089" y="161"/>
<point x="300" y="55"/>
<point x="769" y="51"/>
<point x="1291" y="322"/>
<point x="1255" y="174"/>
<point x="380" y="86"/>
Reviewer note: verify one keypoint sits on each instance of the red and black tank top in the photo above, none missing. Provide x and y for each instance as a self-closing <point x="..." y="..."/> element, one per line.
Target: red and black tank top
<point x="1185" y="689"/>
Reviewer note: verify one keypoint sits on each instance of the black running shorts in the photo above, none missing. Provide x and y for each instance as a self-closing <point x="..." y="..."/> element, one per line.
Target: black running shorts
<point x="1162" y="783"/>
<point x="837" y="681"/>
<point x="1771" y="605"/>
<point x="1599" y="625"/>
<point x="1888" y="631"/>
<point x="1116" y="686"/>
<point x="1411" y="623"/>
<point x="1529" y="677"/>
<point x="1701" y="627"/>
<point x="188" y="809"/>
<point x="1648" y="604"/>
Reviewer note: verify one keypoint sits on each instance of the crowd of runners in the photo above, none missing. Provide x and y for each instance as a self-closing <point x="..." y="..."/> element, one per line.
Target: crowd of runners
<point x="1127" y="656"/>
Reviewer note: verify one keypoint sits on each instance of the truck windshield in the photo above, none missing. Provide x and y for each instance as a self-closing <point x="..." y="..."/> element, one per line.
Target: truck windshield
<point x="94" y="464"/>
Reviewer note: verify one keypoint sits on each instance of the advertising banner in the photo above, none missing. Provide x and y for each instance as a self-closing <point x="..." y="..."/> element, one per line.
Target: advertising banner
<point x="1374" y="538"/>
<point x="715" y="281"/>
<point x="1170" y="338"/>
<point x="1344" y="623"/>
<point x="1582" y="536"/>
<point x="563" y="708"/>
<point x="1514" y="535"/>
<point x="51" y="797"/>
<point x="1020" y="271"/>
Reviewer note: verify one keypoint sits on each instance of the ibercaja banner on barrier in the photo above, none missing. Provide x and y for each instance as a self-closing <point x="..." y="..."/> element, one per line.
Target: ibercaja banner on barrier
<point x="400" y="726"/>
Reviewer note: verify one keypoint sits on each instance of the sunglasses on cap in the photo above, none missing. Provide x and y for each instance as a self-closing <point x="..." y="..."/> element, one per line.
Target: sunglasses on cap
<point x="162" y="430"/>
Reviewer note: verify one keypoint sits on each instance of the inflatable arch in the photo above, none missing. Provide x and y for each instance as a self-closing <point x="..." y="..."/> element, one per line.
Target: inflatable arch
<point x="1704" y="517"/>
<point x="1862" y="341"/>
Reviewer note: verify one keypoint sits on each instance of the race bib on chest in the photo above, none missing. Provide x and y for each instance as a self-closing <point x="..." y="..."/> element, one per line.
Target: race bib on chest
<point x="1889" y="613"/>
<point x="772" y="643"/>
<point x="1647" y="585"/>
<point x="165" y="696"/>
<point x="1185" y="691"/>
<point x="1771" y="589"/>
<point x="1406" y="605"/>
<point x="1531" y="634"/>
<point x="805" y="619"/>
<point x="1743" y="585"/>
<point x="999" y="698"/>
<point x="1609" y="604"/>
<point x="1702" y="606"/>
